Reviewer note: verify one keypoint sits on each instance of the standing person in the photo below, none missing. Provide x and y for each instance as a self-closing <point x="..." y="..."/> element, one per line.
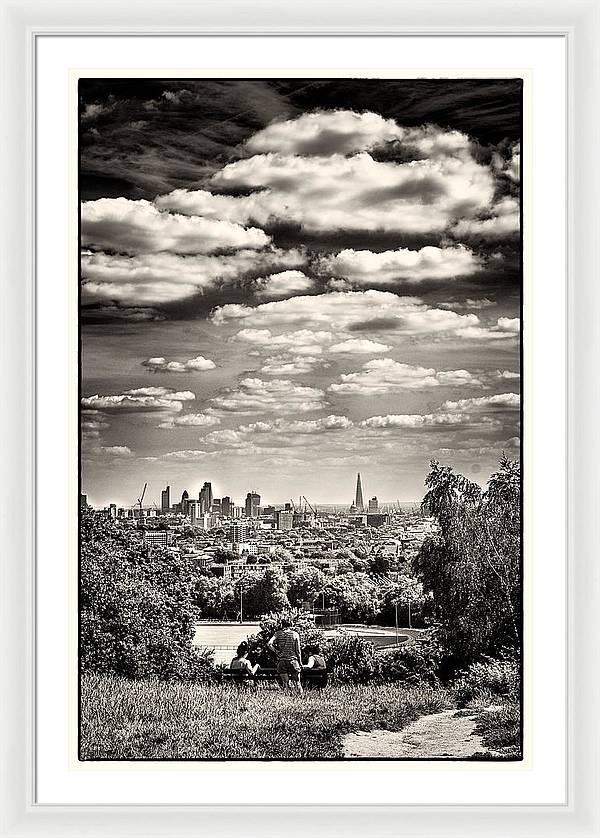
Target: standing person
<point x="285" y="644"/>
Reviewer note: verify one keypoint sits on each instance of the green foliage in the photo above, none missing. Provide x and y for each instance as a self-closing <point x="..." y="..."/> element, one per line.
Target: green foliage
<point x="265" y="594"/>
<point x="355" y="595"/>
<point x="471" y="566"/>
<point x="305" y="585"/>
<point x="352" y="660"/>
<point x="224" y="556"/>
<point x="136" y="610"/>
<point x="407" y="589"/>
<point x="413" y="663"/>
<point x="489" y="677"/>
<point x="215" y="597"/>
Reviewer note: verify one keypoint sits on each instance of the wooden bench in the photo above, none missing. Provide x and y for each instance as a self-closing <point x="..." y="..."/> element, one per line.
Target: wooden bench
<point x="309" y="677"/>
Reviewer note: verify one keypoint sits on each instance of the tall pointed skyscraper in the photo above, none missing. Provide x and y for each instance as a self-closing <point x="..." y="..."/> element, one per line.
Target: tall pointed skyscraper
<point x="358" y="501"/>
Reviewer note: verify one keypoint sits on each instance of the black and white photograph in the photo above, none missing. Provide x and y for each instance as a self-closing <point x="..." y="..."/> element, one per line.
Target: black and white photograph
<point x="300" y="355"/>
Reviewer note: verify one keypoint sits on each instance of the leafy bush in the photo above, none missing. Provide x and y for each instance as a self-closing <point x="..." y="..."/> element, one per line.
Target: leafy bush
<point x="136" y="610"/>
<point x="488" y="677"/>
<point x="415" y="663"/>
<point x="352" y="660"/>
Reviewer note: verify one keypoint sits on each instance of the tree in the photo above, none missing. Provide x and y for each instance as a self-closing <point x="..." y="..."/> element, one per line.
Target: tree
<point x="406" y="589"/>
<point x="265" y="595"/>
<point x="225" y="556"/>
<point x="215" y="597"/>
<point x="136" y="606"/>
<point x="472" y="566"/>
<point x="355" y="596"/>
<point x="305" y="585"/>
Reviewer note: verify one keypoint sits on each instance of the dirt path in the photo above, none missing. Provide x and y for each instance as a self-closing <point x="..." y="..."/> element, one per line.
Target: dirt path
<point x="437" y="736"/>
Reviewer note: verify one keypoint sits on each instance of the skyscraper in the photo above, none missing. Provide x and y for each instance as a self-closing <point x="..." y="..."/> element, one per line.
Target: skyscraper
<point x="358" y="502"/>
<point x="373" y="505"/>
<point x="165" y="499"/>
<point x="205" y="497"/>
<point x="226" y="506"/>
<point x="252" y="504"/>
<point x="184" y="502"/>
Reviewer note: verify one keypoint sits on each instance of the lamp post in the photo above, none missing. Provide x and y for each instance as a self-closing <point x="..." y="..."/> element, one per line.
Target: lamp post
<point x="396" y="604"/>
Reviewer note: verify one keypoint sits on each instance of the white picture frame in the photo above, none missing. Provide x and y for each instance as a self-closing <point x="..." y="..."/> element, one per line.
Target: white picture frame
<point x="22" y="24"/>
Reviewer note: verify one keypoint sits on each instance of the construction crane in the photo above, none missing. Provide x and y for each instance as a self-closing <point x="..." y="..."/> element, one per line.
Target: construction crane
<point x="312" y="509"/>
<point x="140" y="500"/>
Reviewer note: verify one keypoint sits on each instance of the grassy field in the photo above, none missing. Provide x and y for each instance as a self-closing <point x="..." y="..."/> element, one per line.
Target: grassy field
<point x="123" y="719"/>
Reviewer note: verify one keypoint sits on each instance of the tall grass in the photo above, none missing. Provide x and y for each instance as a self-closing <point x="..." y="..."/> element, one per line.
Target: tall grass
<point x="151" y="719"/>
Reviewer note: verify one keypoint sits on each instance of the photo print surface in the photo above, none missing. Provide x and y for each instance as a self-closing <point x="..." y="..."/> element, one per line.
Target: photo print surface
<point x="300" y="361"/>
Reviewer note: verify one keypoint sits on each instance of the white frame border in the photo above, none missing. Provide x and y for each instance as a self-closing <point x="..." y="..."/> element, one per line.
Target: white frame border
<point x="578" y="21"/>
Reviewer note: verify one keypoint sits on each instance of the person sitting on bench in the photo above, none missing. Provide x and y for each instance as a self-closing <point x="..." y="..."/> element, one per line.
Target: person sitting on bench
<point x="315" y="660"/>
<point x="240" y="662"/>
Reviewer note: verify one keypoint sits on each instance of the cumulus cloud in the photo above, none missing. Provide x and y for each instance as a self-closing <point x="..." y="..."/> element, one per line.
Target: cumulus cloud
<point x="348" y="310"/>
<point x="506" y="329"/>
<point x="155" y="278"/>
<point x="140" y="400"/>
<point x="415" y="420"/>
<point x="298" y="426"/>
<point x="253" y="395"/>
<point x="191" y="420"/>
<point x="292" y="364"/>
<point x="505" y="375"/>
<point x="182" y="457"/>
<point x="353" y="193"/>
<point x="502" y="221"/>
<point x="384" y="375"/>
<point x="363" y="267"/>
<point x="95" y="451"/>
<point x="126" y="226"/>
<point x="197" y="364"/>
<point x="358" y="346"/>
<point x="325" y="133"/>
<point x="301" y="342"/>
<point x="284" y="284"/>
<point x="501" y="401"/>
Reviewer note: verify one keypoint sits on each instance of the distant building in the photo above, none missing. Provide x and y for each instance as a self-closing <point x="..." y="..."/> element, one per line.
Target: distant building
<point x="239" y="533"/>
<point x="267" y="510"/>
<point x="358" y="504"/>
<point x="216" y="507"/>
<point x="184" y="502"/>
<point x="193" y="510"/>
<point x="226" y="506"/>
<point x="252" y="505"/>
<point x="237" y="512"/>
<point x="373" y="505"/>
<point x="112" y="511"/>
<point x="206" y="497"/>
<point x="157" y="538"/>
<point x="165" y="500"/>
<point x="83" y="504"/>
<point x="285" y="520"/>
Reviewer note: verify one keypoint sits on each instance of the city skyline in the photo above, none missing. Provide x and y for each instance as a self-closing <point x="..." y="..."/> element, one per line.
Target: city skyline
<point x="286" y="282"/>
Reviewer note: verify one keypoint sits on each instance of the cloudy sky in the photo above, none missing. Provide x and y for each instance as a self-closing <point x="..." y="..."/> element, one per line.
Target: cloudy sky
<point x="284" y="282"/>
